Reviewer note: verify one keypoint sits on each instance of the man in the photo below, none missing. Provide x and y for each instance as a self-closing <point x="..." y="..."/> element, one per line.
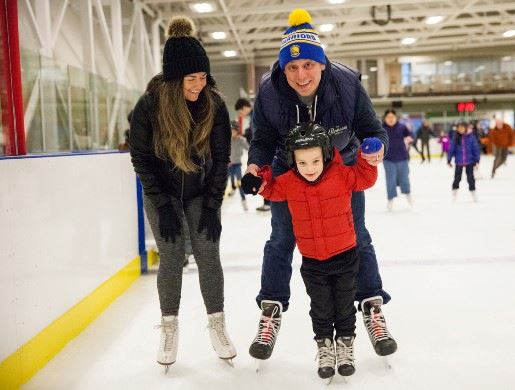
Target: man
<point x="424" y="134"/>
<point x="244" y="111"/>
<point x="501" y="137"/>
<point x="305" y="86"/>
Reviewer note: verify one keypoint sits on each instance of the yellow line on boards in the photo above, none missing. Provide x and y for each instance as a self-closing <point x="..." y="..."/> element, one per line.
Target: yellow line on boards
<point x="19" y="367"/>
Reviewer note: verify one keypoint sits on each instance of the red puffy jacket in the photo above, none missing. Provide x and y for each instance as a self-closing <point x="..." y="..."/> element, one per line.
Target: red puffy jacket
<point x="321" y="212"/>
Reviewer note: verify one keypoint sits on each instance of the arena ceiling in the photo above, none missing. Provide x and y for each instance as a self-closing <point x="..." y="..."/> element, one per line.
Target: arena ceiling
<point x="356" y="28"/>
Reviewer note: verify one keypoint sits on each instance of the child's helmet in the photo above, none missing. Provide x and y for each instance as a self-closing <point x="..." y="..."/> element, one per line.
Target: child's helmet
<point x="308" y="135"/>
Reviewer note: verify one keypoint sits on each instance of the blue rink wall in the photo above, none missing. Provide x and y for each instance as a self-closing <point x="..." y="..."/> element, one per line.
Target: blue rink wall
<point x="69" y="247"/>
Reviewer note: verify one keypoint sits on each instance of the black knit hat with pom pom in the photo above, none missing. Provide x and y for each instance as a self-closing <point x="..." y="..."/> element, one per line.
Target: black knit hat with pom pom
<point x="183" y="54"/>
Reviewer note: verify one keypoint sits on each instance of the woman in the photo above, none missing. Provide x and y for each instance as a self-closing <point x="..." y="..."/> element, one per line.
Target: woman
<point x="396" y="160"/>
<point x="180" y="141"/>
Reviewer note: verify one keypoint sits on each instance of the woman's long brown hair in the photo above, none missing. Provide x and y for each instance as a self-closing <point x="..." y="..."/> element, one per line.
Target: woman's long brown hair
<point x="179" y="135"/>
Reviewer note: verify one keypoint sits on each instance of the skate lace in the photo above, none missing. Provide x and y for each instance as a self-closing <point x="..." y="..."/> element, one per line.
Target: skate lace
<point x="168" y="330"/>
<point x="344" y="353"/>
<point x="218" y="325"/>
<point x="376" y="325"/>
<point x="325" y="356"/>
<point x="268" y="328"/>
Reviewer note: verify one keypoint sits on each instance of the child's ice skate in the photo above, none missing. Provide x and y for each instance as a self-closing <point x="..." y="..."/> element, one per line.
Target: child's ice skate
<point x="474" y="196"/>
<point x="167" y="353"/>
<point x="409" y="198"/>
<point x="345" y="356"/>
<point x="220" y="339"/>
<point x="269" y="325"/>
<point x="374" y="320"/>
<point x="326" y="359"/>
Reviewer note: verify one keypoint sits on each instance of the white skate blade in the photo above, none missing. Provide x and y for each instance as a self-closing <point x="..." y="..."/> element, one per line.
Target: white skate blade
<point x="328" y="380"/>
<point x="166" y="367"/>
<point x="228" y="361"/>
<point x="257" y="365"/>
<point x="386" y="363"/>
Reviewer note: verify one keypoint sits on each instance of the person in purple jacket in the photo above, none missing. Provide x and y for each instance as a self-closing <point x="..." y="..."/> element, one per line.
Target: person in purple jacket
<point x="396" y="160"/>
<point x="465" y="150"/>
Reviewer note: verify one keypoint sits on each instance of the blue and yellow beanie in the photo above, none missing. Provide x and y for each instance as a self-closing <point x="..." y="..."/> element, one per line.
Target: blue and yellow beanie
<point x="300" y="41"/>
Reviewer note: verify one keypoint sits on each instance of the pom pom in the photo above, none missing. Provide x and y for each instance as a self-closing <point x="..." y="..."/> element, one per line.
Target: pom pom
<point x="371" y="145"/>
<point x="299" y="16"/>
<point x="180" y="26"/>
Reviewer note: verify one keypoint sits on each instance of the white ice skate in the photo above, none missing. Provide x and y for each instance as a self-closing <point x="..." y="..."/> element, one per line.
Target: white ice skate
<point x="326" y="359"/>
<point x="345" y="356"/>
<point x="167" y="353"/>
<point x="220" y="339"/>
<point x="409" y="198"/>
<point x="474" y="196"/>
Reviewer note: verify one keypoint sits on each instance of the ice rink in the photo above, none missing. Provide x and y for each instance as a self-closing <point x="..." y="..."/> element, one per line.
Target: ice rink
<point x="449" y="266"/>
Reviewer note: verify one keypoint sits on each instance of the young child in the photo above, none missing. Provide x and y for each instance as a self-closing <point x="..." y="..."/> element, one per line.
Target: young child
<point x="465" y="150"/>
<point x="318" y="189"/>
<point x="444" y="141"/>
<point x="238" y="144"/>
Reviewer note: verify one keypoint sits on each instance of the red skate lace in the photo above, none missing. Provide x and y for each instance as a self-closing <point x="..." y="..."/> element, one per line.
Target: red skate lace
<point x="378" y="325"/>
<point x="268" y="328"/>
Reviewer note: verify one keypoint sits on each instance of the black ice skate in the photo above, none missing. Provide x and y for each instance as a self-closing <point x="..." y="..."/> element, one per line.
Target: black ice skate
<point x="269" y="325"/>
<point x="374" y="320"/>
<point x="345" y="355"/>
<point x="326" y="358"/>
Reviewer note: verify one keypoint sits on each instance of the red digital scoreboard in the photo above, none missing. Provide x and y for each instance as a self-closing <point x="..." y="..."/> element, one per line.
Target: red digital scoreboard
<point x="466" y="106"/>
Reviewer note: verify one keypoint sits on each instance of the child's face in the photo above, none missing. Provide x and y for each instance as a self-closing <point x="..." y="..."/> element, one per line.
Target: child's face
<point x="461" y="129"/>
<point x="310" y="162"/>
<point x="234" y="133"/>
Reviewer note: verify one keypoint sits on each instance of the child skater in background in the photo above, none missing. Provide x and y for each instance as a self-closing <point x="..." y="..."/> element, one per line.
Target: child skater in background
<point x="238" y="145"/>
<point x="318" y="189"/>
<point x="465" y="150"/>
<point x="444" y="141"/>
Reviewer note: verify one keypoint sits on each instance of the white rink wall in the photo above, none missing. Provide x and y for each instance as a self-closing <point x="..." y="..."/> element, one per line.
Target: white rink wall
<point x="67" y="224"/>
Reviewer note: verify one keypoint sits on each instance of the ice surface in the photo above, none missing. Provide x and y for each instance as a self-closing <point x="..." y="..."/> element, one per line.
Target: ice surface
<point x="449" y="266"/>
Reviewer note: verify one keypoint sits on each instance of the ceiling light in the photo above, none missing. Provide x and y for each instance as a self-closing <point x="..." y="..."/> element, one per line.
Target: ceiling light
<point x="508" y="34"/>
<point x="202" y="8"/>
<point x="364" y="77"/>
<point x="447" y="63"/>
<point x="434" y="19"/>
<point x="326" y="27"/>
<point x="373" y="69"/>
<point x="336" y="1"/>
<point x="229" y="53"/>
<point x="506" y="58"/>
<point x="408" y="41"/>
<point x="219" y="35"/>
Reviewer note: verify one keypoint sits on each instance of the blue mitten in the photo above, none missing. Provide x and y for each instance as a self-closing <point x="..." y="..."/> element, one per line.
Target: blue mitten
<point x="371" y="145"/>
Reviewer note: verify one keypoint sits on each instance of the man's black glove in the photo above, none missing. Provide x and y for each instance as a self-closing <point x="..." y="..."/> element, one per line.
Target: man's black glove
<point x="250" y="183"/>
<point x="209" y="220"/>
<point x="169" y="223"/>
